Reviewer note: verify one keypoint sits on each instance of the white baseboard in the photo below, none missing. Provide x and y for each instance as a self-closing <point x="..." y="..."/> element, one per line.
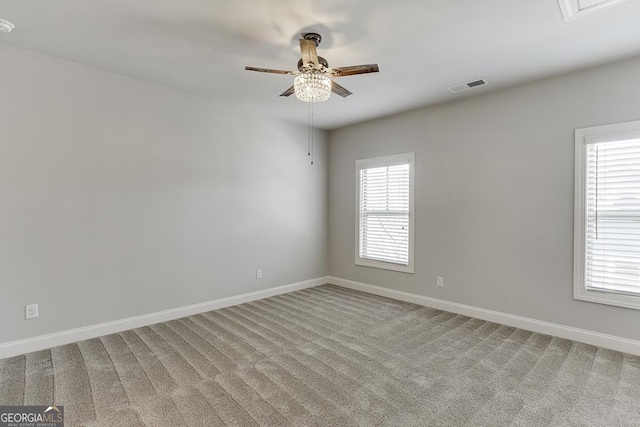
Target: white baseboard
<point x="28" y="345"/>
<point x="588" y="337"/>
<point x="15" y="348"/>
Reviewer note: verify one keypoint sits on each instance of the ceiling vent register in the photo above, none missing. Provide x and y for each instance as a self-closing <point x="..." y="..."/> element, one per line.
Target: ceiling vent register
<point x="469" y="85"/>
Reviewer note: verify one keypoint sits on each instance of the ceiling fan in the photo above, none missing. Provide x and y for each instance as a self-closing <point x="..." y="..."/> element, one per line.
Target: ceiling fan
<point x="313" y="82"/>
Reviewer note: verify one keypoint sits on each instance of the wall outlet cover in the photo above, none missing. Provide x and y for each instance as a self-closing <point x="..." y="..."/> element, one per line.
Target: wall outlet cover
<point x="31" y="311"/>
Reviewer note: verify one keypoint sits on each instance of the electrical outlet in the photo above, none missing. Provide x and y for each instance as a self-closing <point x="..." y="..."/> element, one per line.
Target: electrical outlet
<point x="258" y="274"/>
<point x="440" y="281"/>
<point x="31" y="311"/>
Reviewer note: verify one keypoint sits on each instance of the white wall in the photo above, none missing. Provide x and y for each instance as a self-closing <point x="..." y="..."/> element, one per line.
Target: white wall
<point x="494" y="184"/>
<point x="120" y="198"/>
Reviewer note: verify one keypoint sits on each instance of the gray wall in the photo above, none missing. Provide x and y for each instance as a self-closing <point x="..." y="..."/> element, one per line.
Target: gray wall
<point x="120" y="198"/>
<point x="494" y="192"/>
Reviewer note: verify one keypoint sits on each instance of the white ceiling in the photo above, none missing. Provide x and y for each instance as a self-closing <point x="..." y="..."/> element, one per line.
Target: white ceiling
<point x="422" y="46"/>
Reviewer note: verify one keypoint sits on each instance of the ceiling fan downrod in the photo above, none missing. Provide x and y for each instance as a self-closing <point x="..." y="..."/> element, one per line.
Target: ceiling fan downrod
<point x="317" y="38"/>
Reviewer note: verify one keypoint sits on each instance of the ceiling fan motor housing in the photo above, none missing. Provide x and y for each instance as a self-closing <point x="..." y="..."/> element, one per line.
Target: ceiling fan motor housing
<point x="321" y="60"/>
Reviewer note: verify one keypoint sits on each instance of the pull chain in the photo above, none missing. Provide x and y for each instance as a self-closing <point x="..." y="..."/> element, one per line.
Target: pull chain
<point x="310" y="148"/>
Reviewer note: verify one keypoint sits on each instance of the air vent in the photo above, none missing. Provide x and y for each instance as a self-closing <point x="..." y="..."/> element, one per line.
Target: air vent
<point x="469" y="85"/>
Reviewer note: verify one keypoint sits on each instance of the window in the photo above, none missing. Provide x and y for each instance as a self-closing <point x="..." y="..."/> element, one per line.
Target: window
<point x="572" y="9"/>
<point x="607" y="215"/>
<point x="384" y="212"/>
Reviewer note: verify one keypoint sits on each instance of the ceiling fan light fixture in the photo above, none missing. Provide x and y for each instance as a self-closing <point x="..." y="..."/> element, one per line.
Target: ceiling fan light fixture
<point x="312" y="86"/>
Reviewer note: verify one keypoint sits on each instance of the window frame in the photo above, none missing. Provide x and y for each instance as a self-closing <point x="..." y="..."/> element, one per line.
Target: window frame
<point x="392" y="160"/>
<point x="571" y="9"/>
<point x="584" y="137"/>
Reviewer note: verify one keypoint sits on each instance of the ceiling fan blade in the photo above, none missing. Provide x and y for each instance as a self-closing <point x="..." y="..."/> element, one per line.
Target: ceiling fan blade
<point x="354" y="69"/>
<point x="309" y="53"/>
<point x="267" y="70"/>
<point x="288" y="92"/>
<point x="339" y="90"/>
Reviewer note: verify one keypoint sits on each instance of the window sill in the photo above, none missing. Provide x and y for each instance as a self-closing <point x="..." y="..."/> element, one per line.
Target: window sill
<point x="363" y="262"/>
<point x="608" y="298"/>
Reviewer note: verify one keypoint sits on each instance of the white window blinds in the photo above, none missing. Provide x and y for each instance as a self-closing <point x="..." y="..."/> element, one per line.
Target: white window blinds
<point x="612" y="214"/>
<point x="384" y="202"/>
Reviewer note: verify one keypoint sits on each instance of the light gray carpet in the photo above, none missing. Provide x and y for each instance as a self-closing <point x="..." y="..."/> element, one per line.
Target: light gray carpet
<point x="328" y="356"/>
